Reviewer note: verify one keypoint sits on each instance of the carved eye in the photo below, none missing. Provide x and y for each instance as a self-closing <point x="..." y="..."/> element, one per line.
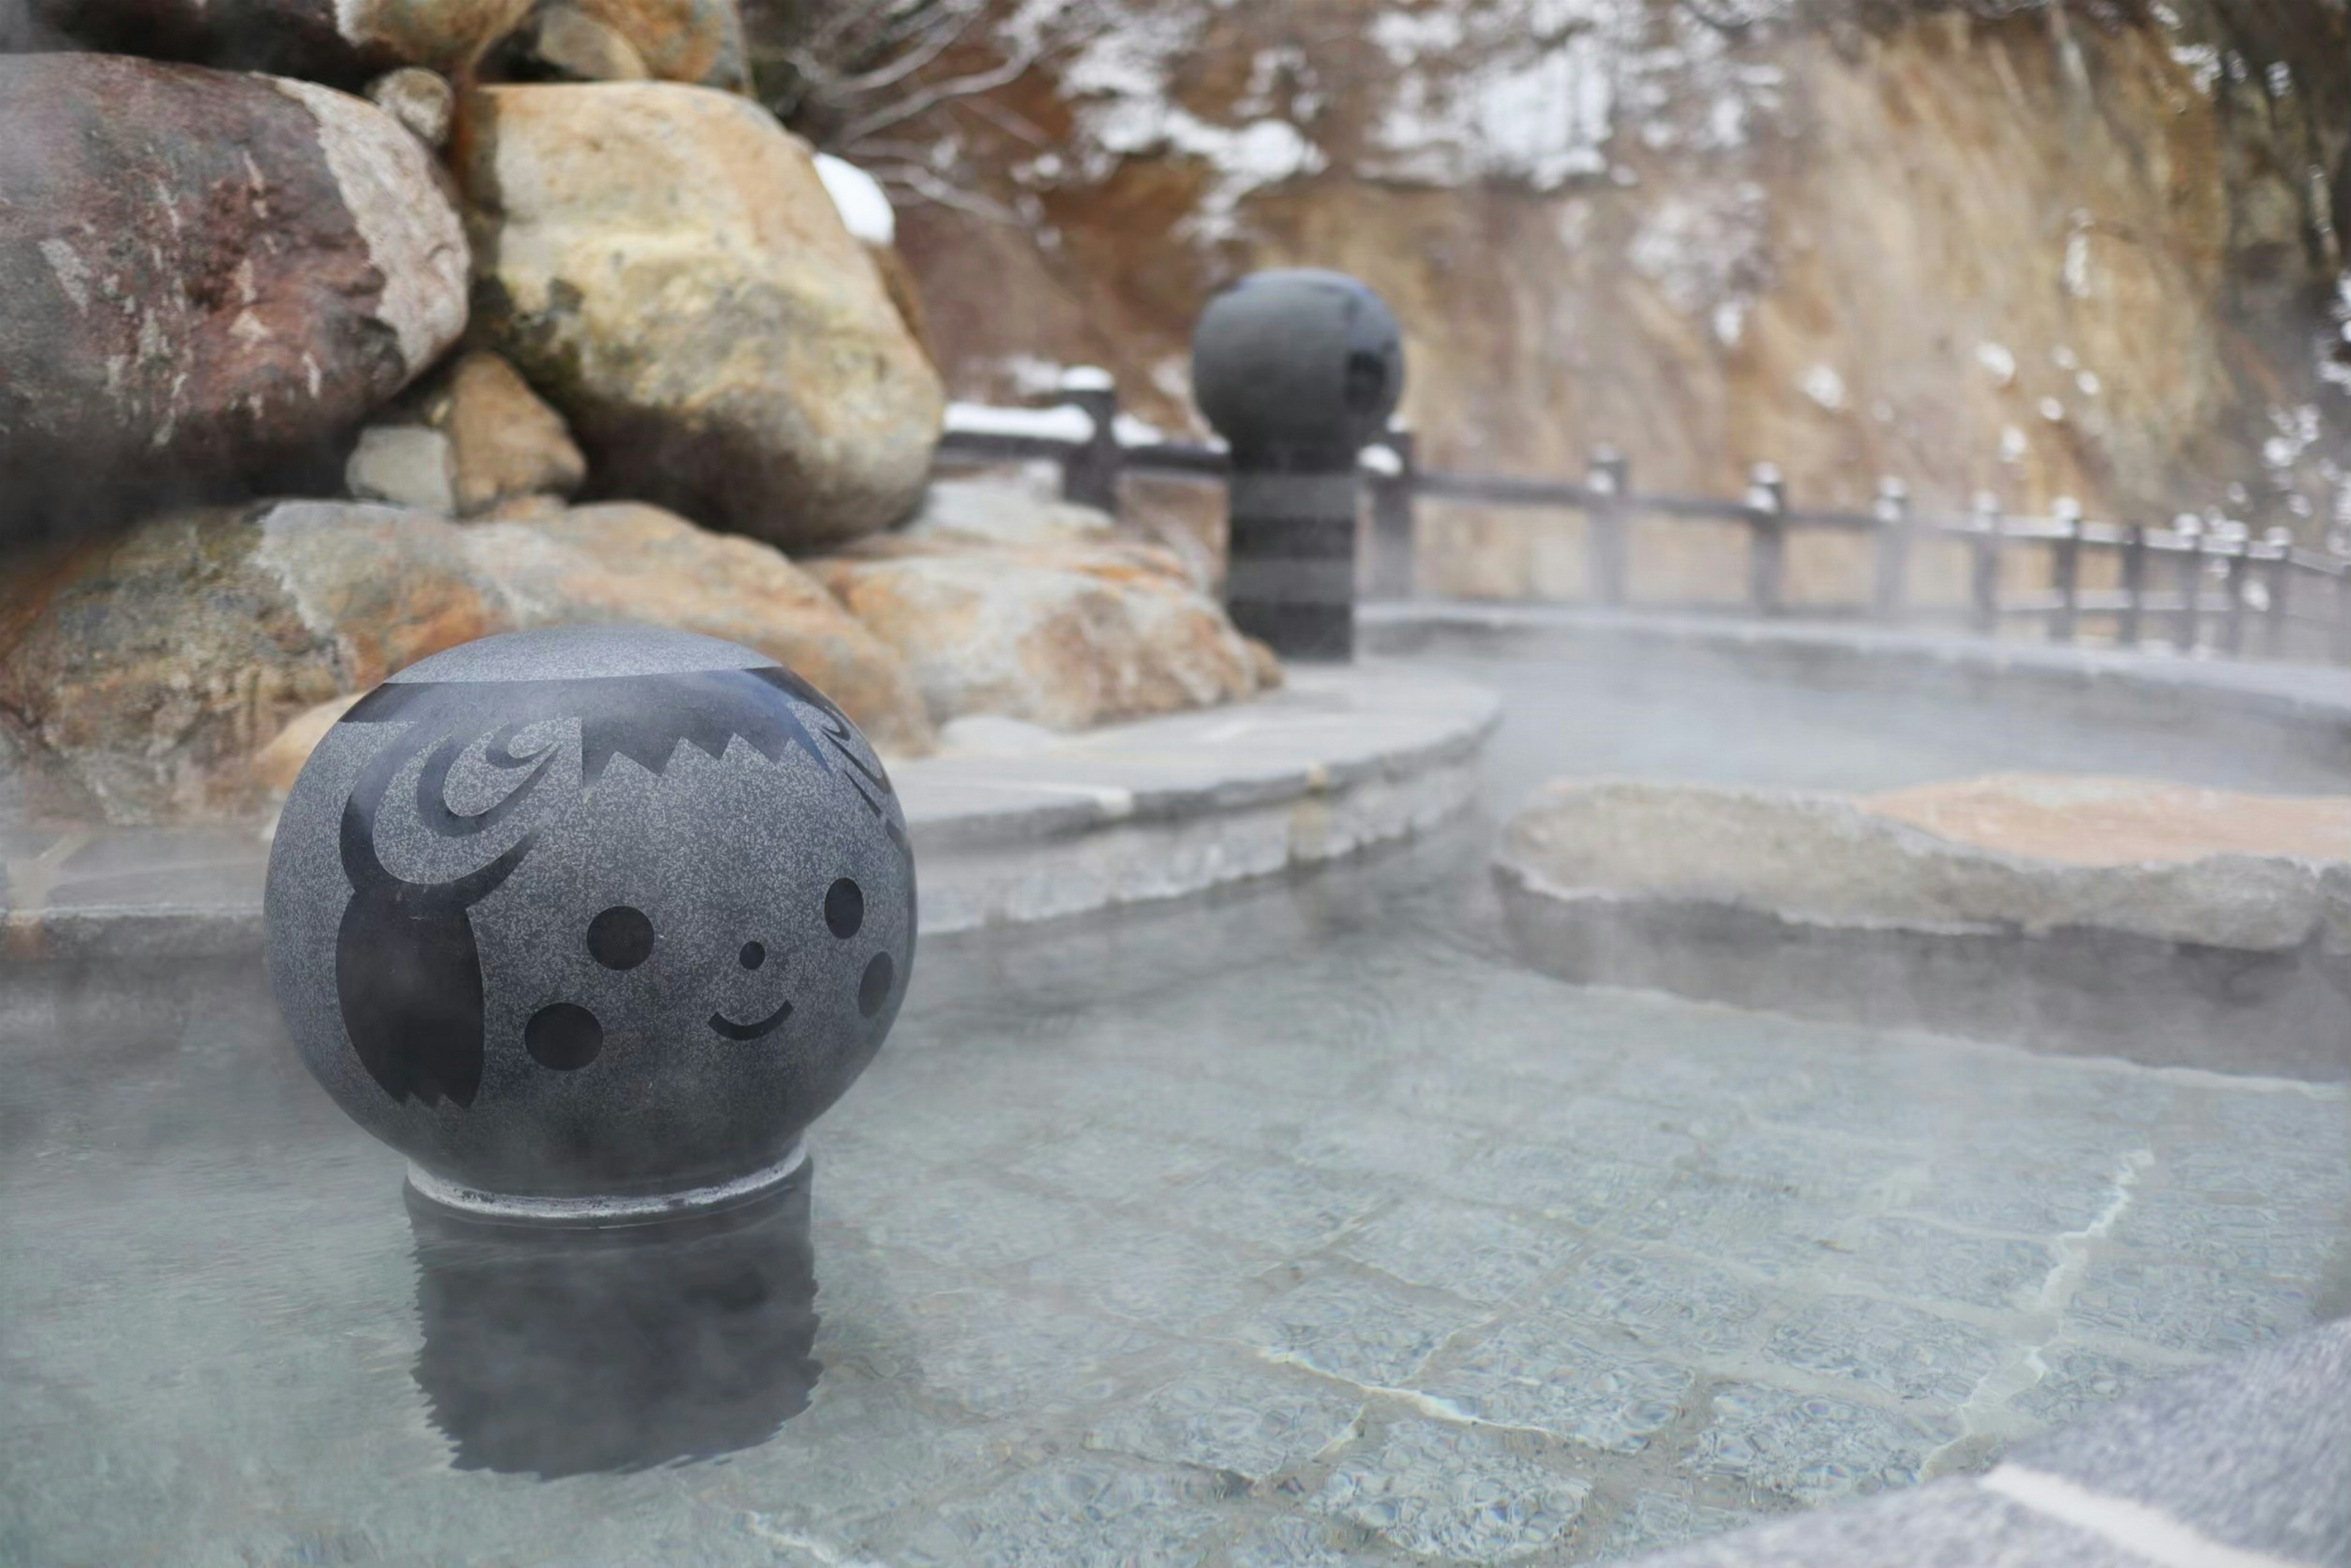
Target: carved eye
<point x="845" y="908"/>
<point x="621" y="938"/>
<point x="873" y="987"/>
<point x="752" y="955"/>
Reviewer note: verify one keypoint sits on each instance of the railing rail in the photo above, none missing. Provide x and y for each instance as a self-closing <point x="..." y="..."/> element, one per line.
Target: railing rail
<point x="2202" y="582"/>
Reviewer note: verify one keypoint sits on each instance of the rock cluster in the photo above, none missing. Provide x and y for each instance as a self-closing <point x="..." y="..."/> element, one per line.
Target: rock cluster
<point x="334" y="334"/>
<point x="1042" y="612"/>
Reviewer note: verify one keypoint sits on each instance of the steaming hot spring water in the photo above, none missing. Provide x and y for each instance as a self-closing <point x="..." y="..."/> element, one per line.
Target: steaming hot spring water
<point x="1305" y="1222"/>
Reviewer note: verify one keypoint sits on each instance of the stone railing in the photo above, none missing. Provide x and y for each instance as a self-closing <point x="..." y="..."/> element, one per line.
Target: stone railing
<point x="2198" y="583"/>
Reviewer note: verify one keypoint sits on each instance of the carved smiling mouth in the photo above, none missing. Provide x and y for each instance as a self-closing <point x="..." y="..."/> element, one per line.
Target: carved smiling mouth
<point x="766" y="1026"/>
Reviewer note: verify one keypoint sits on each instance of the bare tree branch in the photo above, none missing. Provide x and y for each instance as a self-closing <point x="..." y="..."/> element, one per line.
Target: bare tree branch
<point x="931" y="188"/>
<point x="930" y="98"/>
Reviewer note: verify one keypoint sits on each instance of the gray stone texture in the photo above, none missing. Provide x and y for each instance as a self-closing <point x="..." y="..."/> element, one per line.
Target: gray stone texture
<point x="742" y="1003"/>
<point x="2255" y="1454"/>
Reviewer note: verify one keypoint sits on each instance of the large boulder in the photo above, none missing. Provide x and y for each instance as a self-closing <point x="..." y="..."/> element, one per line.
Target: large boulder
<point x="205" y="279"/>
<point x="663" y="264"/>
<point x="1039" y="610"/>
<point x="150" y="674"/>
<point x="342" y="41"/>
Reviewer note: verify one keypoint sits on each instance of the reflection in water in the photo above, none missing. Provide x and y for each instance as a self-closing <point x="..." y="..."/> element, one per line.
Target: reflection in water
<point x="560" y="1352"/>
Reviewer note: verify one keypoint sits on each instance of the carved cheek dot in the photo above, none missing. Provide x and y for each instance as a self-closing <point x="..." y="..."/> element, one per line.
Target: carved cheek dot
<point x="621" y="938"/>
<point x="845" y="908"/>
<point x="752" y="955"/>
<point x="564" y="1036"/>
<point x="873" y="988"/>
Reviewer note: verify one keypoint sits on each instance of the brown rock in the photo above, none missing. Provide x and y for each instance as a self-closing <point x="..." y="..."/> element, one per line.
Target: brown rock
<point x="698" y="41"/>
<point x="1834" y="859"/>
<point x="664" y="265"/>
<point x="567" y="42"/>
<point x="503" y="441"/>
<point x="342" y="41"/>
<point x="1057" y="620"/>
<point x="402" y="465"/>
<point x="422" y="100"/>
<point x="905" y="294"/>
<point x="628" y="562"/>
<point x="277" y="765"/>
<point x="150" y="667"/>
<point x="206" y="277"/>
<point x="2093" y="821"/>
<point x="174" y="673"/>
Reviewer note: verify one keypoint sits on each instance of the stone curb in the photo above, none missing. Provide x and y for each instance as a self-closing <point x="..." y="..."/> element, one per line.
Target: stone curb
<point x="2309" y="705"/>
<point x="1336" y="760"/>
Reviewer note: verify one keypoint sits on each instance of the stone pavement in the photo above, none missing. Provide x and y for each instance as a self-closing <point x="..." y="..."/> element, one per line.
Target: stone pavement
<point x="2244" y="1465"/>
<point x="1298" y="1227"/>
<point x="1338" y="758"/>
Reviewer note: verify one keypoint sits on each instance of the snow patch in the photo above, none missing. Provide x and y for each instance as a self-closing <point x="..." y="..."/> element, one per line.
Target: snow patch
<point x="1064" y="423"/>
<point x="1825" y="387"/>
<point x="857" y="195"/>
<point x="1996" y="358"/>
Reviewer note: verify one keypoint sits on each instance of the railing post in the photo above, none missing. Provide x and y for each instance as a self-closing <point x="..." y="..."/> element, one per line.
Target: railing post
<point x="2343" y="610"/>
<point x="1391" y="531"/>
<point x="1984" y="539"/>
<point x="2275" y="625"/>
<point x="1767" y="557"/>
<point x="1610" y="481"/>
<point x="2127" y="629"/>
<point x="2236" y="539"/>
<point x="1891" y="590"/>
<point x="1089" y="472"/>
<point x="2190" y="530"/>
<point x="2065" y="568"/>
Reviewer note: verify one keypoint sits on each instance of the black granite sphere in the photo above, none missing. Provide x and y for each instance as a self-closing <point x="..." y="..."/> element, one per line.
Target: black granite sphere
<point x="591" y="922"/>
<point x="1297" y="360"/>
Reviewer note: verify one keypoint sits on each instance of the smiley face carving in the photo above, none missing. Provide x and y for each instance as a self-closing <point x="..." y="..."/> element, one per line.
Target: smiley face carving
<point x="638" y="920"/>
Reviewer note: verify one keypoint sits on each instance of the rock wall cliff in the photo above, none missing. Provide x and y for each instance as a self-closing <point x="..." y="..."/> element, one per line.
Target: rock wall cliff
<point x="2074" y="249"/>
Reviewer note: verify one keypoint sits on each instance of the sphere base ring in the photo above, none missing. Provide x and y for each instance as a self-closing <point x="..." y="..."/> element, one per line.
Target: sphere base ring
<point x="603" y="1212"/>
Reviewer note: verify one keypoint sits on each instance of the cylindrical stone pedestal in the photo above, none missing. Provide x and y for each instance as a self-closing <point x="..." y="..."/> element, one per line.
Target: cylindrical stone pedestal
<point x="1289" y="573"/>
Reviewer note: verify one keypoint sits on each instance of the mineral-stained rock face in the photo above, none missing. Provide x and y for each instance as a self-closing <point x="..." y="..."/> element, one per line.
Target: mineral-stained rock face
<point x="154" y="676"/>
<point x="1040" y="611"/>
<point x="203" y="276"/>
<point x="148" y="668"/>
<point x="2036" y="248"/>
<point x="341" y="41"/>
<point x="663" y="262"/>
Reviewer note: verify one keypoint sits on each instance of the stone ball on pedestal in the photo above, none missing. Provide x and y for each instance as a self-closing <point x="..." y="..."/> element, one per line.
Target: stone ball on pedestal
<point x="591" y="922"/>
<point x="1297" y="360"/>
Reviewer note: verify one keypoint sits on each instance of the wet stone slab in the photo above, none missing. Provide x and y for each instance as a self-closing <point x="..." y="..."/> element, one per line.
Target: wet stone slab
<point x="1110" y="1269"/>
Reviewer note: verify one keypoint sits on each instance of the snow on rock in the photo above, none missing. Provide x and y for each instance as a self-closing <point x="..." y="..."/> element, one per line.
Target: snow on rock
<point x="1064" y="423"/>
<point x="859" y="195"/>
